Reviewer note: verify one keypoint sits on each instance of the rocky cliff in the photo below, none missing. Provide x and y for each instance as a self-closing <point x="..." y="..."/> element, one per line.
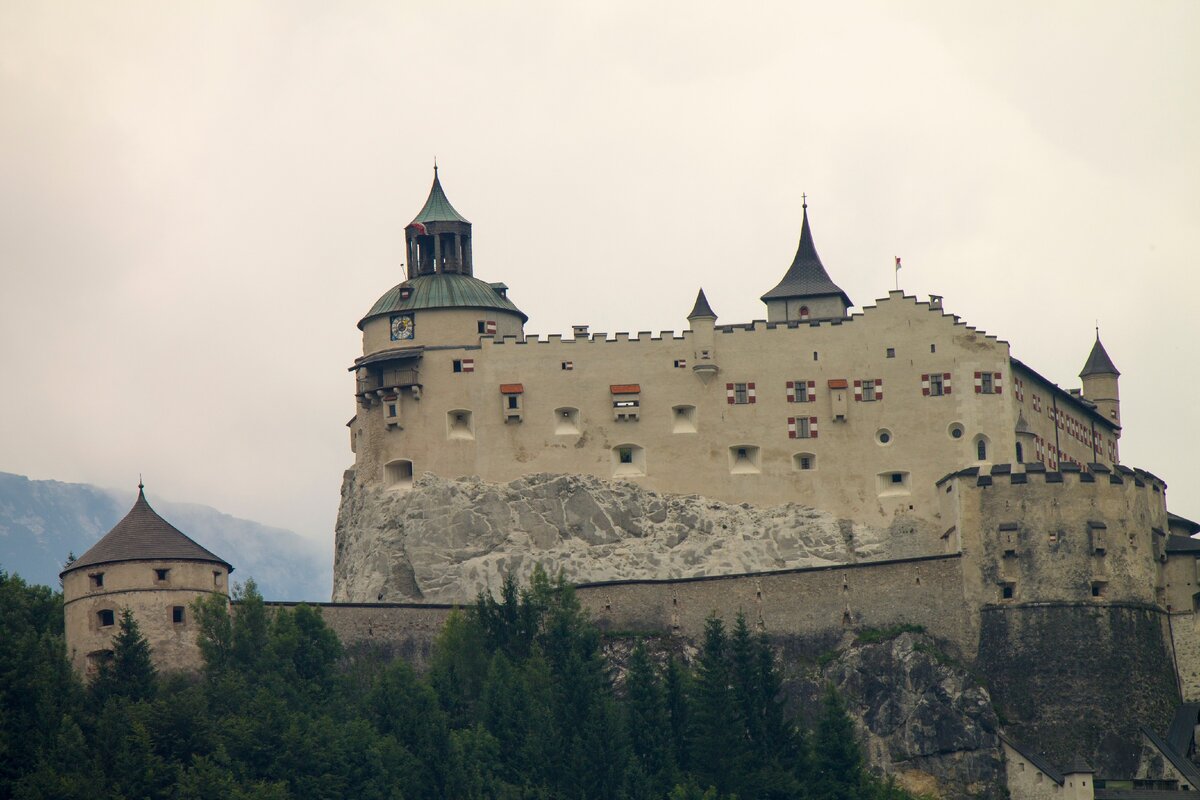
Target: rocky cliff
<point x="444" y="541"/>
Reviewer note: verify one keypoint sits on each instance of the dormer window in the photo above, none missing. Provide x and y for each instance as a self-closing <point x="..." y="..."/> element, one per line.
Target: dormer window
<point x="405" y="292"/>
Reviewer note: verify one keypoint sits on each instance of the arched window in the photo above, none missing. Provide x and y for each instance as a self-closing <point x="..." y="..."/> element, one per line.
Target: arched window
<point x="981" y="449"/>
<point x="803" y="312"/>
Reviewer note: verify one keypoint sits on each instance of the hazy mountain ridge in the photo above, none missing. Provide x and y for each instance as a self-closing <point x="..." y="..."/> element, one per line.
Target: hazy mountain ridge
<point x="42" y="521"/>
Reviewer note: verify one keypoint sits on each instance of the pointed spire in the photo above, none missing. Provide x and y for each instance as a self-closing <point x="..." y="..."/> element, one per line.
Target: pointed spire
<point x="1098" y="362"/>
<point x="702" y="308"/>
<point x="806" y="277"/>
<point x="437" y="207"/>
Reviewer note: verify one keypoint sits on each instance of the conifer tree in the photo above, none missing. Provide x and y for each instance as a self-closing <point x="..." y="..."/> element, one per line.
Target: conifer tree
<point x="717" y="740"/>
<point x="837" y="759"/>
<point x="130" y="673"/>
<point x="648" y="722"/>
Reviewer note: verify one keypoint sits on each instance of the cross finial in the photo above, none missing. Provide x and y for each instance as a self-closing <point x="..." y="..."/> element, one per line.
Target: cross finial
<point x="140" y="484"/>
<point x="1097" y="329"/>
<point x="804" y="200"/>
<point x="435" y="165"/>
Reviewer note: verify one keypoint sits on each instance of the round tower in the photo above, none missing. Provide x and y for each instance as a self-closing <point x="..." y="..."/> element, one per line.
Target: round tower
<point x="148" y="566"/>
<point x="1099" y="377"/>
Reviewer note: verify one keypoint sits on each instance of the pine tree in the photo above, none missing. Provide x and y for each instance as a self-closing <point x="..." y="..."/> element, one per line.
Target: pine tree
<point x="717" y="740"/>
<point x="130" y="673"/>
<point x="837" y="758"/>
<point x="648" y="722"/>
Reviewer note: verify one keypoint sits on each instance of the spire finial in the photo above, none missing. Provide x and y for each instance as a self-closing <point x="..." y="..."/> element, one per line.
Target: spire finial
<point x="804" y="201"/>
<point x="141" y="486"/>
<point x="435" y="166"/>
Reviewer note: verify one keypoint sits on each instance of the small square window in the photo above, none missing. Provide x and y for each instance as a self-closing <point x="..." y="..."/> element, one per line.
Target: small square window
<point x="177" y="615"/>
<point x="512" y="401"/>
<point x="891" y="352"/>
<point x="568" y="365"/>
<point x="482" y="326"/>
<point x="680" y="363"/>
<point x="897" y="477"/>
<point x="457" y="365"/>
<point x="106" y="618"/>
<point x="161" y="574"/>
<point x="625" y="455"/>
<point x="97" y="579"/>
<point x="805" y="462"/>
<point x="1007" y="591"/>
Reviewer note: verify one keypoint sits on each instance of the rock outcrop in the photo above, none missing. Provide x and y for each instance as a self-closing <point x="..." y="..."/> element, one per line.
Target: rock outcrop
<point x="924" y="718"/>
<point x="444" y="541"/>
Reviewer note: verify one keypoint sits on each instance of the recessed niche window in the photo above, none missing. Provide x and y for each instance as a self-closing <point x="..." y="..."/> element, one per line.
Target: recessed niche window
<point x="459" y="424"/>
<point x="1098" y="588"/>
<point x="217" y="578"/>
<point x="97" y="580"/>
<point x="1007" y="591"/>
<point x="743" y="459"/>
<point x="883" y="436"/>
<point x="566" y="421"/>
<point x="895" y="482"/>
<point x="626" y="401"/>
<point x="177" y="615"/>
<point x="161" y="575"/>
<point x="628" y="459"/>
<point x="891" y="352"/>
<point x="105" y="618"/>
<point x="398" y="474"/>
<point x="955" y="430"/>
<point x="981" y="448"/>
<point x="803" y="462"/>
<point x="683" y="419"/>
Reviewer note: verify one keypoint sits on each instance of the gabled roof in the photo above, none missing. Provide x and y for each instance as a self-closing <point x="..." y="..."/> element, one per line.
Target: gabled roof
<point x="437" y="207"/>
<point x="702" y="308"/>
<point x="1175" y="519"/>
<point x="1036" y="759"/>
<point x="144" y="536"/>
<point x="806" y="277"/>
<point x="1098" y="362"/>
<point x="1077" y="766"/>
<point x="1186" y="768"/>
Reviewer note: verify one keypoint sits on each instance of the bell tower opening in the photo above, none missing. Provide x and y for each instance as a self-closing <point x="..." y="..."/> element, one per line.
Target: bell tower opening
<point x="438" y="240"/>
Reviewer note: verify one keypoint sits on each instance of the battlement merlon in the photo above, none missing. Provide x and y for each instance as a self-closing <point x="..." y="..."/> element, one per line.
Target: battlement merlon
<point x="1029" y="535"/>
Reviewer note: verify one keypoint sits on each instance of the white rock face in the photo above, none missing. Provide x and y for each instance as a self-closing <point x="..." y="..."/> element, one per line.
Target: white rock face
<point x="444" y="541"/>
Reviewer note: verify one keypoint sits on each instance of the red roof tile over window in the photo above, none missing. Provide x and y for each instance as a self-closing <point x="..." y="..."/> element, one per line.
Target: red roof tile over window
<point x="512" y="388"/>
<point x="625" y="388"/>
<point x="144" y="536"/>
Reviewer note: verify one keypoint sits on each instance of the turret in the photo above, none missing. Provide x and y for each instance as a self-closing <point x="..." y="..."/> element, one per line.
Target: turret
<point x="439" y="238"/>
<point x="1099" y="377"/>
<point x="806" y="291"/>
<point x="703" y="322"/>
<point x="148" y="566"/>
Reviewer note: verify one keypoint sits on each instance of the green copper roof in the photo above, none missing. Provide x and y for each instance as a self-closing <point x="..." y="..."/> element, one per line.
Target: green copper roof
<point x="437" y="208"/>
<point x="441" y="290"/>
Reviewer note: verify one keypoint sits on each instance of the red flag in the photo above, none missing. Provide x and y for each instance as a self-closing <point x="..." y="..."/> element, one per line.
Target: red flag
<point x="420" y="228"/>
<point x="897" y="262"/>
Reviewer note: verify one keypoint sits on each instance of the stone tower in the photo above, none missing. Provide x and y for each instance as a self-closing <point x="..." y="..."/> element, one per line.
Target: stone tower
<point x="806" y="291"/>
<point x="1100" y="377"/>
<point x="148" y="566"/>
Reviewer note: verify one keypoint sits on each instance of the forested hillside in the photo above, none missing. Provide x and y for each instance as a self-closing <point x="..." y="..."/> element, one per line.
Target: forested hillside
<point x="518" y="704"/>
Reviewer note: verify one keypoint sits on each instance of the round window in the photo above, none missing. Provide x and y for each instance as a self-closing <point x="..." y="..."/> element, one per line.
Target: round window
<point x="956" y="431"/>
<point x="883" y="436"/>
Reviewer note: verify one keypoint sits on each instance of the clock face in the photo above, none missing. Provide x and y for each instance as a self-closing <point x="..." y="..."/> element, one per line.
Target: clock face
<point x="402" y="327"/>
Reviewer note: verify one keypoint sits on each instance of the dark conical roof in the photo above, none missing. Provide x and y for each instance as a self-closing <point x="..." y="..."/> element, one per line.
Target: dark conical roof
<point x="806" y="277"/>
<point x="144" y="536"/>
<point x="1098" y="362"/>
<point x="1077" y="765"/>
<point x="437" y="207"/>
<point x="702" y="308"/>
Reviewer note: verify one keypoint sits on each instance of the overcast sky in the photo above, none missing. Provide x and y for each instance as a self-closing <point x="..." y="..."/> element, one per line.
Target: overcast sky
<point x="198" y="201"/>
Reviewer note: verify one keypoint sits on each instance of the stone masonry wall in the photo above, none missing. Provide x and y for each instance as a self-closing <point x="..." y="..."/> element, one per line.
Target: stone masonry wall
<point x="814" y="601"/>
